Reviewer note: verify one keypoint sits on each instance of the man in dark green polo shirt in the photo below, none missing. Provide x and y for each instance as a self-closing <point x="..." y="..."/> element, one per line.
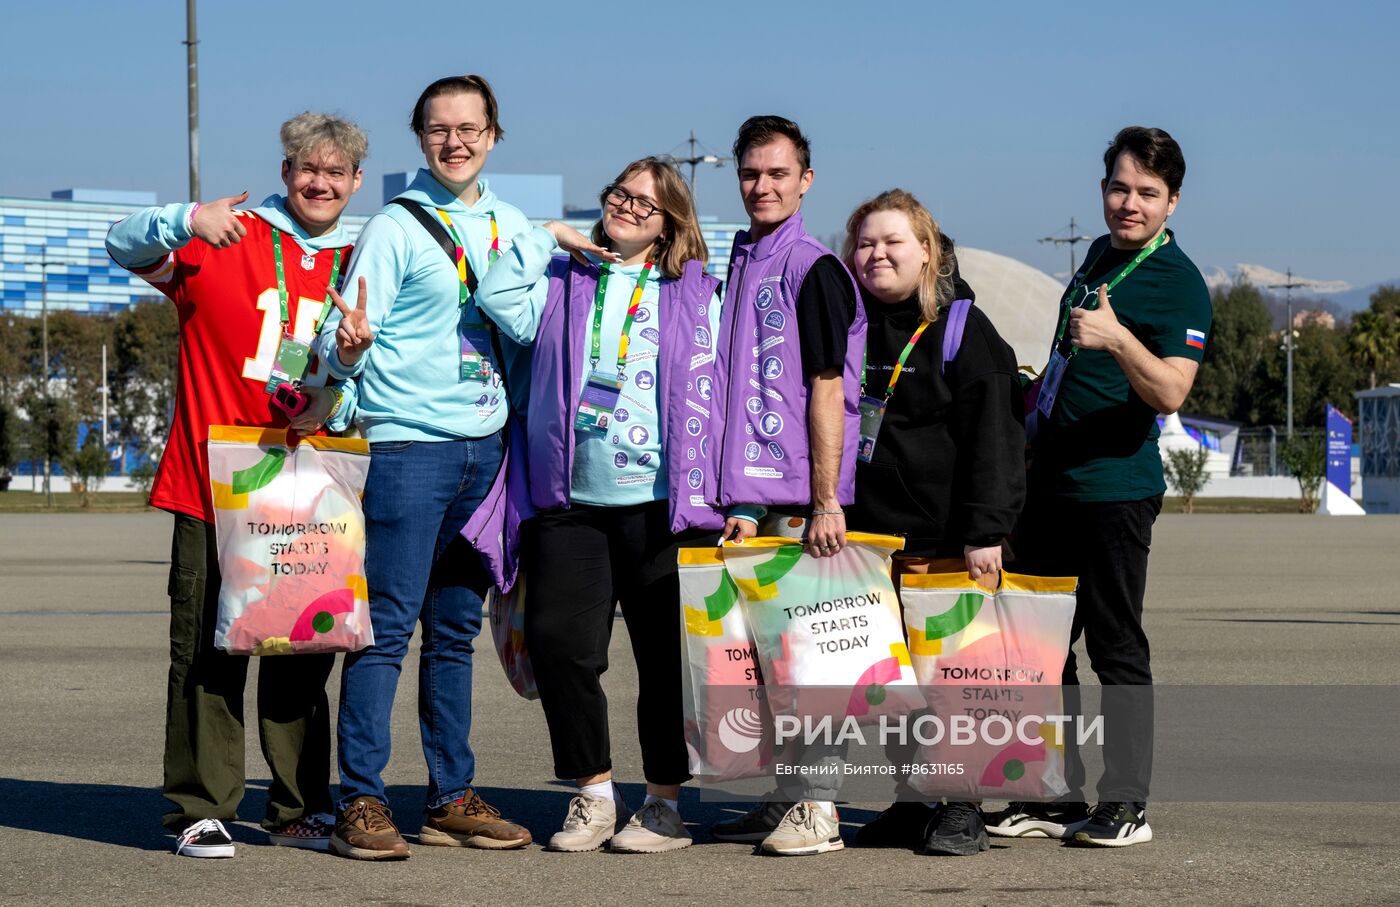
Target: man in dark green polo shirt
<point x="1130" y="337"/>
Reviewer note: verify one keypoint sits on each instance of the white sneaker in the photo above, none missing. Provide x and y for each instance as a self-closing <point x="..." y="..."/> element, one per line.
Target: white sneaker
<point x="590" y="823"/>
<point x="806" y="829"/>
<point x="204" y="838"/>
<point x="655" y="828"/>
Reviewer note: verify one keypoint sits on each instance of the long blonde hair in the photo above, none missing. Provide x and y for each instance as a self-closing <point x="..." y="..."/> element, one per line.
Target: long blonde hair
<point x="680" y="240"/>
<point x="936" y="279"/>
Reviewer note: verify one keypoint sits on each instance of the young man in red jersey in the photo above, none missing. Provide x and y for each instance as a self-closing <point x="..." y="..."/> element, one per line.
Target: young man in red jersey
<point x="239" y="281"/>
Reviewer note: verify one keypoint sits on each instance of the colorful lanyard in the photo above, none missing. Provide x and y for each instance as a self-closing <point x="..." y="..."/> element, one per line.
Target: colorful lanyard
<point x="282" y="283"/>
<point x="903" y="357"/>
<point x="1147" y="250"/>
<point x="463" y="291"/>
<point x="596" y="346"/>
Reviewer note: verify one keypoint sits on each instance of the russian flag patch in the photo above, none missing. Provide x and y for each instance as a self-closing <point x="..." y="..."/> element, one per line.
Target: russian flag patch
<point x="1196" y="339"/>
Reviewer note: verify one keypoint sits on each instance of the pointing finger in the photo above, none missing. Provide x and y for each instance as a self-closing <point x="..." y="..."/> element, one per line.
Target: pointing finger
<point x="360" y="300"/>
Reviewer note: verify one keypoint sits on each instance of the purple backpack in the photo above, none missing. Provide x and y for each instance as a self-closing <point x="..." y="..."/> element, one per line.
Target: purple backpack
<point x="953" y="334"/>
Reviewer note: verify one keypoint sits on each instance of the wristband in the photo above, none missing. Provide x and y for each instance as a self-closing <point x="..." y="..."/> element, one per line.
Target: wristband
<point x="828" y="513"/>
<point x="189" y="218"/>
<point x="335" y="408"/>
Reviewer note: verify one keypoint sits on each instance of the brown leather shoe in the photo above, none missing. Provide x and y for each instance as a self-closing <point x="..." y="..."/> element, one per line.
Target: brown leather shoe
<point x="363" y="831"/>
<point x="470" y="822"/>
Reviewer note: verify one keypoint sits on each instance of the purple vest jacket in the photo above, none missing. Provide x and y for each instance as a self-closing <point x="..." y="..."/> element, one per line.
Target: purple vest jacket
<point x="686" y="370"/>
<point x="764" y="451"/>
<point x="494" y="527"/>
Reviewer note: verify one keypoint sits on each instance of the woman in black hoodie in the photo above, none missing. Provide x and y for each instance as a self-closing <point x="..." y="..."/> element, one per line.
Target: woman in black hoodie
<point x="942" y="439"/>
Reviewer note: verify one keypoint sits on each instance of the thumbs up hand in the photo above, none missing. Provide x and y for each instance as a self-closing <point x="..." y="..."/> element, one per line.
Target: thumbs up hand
<point x="217" y="223"/>
<point x="1097" y="328"/>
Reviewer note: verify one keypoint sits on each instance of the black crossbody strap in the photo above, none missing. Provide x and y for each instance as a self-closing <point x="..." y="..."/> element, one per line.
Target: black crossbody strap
<point x="438" y="232"/>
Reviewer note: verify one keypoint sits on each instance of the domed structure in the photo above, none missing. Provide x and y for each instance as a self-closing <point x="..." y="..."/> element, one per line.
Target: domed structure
<point x="1021" y="301"/>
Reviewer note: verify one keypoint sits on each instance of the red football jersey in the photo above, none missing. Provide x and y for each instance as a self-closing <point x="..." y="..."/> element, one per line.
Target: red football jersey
<point x="230" y="326"/>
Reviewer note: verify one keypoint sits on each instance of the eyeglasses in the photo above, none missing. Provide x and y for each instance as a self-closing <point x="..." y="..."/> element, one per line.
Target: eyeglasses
<point x="437" y="135"/>
<point x="621" y="199"/>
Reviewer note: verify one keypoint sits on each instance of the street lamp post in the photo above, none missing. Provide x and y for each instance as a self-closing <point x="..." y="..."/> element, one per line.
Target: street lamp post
<point x="1287" y="286"/>
<point x="1073" y="239"/>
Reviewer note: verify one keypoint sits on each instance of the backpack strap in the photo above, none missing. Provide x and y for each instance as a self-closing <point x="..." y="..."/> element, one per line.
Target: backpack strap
<point x="953" y="331"/>
<point x="438" y="232"/>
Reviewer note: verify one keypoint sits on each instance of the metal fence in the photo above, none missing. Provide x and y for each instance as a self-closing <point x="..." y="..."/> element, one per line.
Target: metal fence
<point x="1258" y="450"/>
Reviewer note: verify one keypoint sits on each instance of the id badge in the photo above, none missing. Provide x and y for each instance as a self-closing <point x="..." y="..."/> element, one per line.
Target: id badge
<point x="595" y="407"/>
<point x="475" y="365"/>
<point x="290" y="363"/>
<point x="872" y="413"/>
<point x="1050" y="383"/>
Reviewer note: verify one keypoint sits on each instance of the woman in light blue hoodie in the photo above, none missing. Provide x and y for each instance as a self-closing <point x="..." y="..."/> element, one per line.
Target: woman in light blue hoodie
<point x="432" y="401"/>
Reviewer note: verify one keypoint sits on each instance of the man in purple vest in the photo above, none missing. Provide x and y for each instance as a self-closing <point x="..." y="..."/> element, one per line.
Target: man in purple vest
<point x="787" y="371"/>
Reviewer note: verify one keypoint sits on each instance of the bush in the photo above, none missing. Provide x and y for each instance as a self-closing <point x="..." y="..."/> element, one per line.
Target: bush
<point x="87" y="465"/>
<point x="1186" y="472"/>
<point x="1305" y="458"/>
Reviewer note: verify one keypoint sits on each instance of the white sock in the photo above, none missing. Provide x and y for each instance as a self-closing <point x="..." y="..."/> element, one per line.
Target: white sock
<point x="828" y="807"/>
<point x="675" y="805"/>
<point x="603" y="790"/>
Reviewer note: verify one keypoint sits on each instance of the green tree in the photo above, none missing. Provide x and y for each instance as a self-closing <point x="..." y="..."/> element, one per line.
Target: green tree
<point x="1322" y="373"/>
<point x="145" y="368"/>
<point x="10" y="429"/>
<point x="75" y="360"/>
<point x="87" y="465"/>
<point x="1186" y="473"/>
<point x="53" y="431"/>
<point x="1373" y="341"/>
<point x="1231" y="380"/>
<point x="1305" y="457"/>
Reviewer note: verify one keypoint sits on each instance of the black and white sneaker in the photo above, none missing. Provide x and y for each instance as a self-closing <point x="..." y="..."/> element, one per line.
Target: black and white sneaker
<point x="1038" y="820"/>
<point x="1115" y="825"/>
<point x="204" y="838"/>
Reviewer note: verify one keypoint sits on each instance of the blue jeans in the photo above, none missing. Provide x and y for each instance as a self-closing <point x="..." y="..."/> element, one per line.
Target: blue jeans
<point x="418" y="496"/>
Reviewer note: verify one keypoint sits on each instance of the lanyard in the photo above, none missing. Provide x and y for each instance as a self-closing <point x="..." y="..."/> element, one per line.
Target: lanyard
<point x="595" y="350"/>
<point x="1067" y="302"/>
<point x="899" y="366"/>
<point x="282" y="283"/>
<point x="464" y="290"/>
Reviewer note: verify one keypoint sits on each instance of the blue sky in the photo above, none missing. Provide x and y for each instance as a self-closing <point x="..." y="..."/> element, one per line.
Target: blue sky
<point x="995" y="115"/>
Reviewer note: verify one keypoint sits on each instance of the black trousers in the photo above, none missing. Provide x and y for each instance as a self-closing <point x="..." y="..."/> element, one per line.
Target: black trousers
<point x="1105" y="544"/>
<point x="581" y="561"/>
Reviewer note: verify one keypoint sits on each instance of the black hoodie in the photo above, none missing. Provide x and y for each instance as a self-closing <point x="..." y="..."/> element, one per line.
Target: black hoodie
<point x="949" y="467"/>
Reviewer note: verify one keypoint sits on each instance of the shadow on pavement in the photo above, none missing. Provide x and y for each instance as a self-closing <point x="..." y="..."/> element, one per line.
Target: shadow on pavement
<point x="105" y="813"/>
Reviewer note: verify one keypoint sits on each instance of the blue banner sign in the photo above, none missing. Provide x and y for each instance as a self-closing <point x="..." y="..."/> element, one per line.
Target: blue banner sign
<point x="1338" y="449"/>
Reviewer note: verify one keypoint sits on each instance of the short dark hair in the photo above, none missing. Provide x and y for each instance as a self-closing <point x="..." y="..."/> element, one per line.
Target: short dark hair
<point x="761" y="130"/>
<point x="468" y="84"/>
<point x="1153" y="149"/>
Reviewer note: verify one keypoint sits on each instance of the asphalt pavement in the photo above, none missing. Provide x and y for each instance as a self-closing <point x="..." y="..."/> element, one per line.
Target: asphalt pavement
<point x="1237" y="599"/>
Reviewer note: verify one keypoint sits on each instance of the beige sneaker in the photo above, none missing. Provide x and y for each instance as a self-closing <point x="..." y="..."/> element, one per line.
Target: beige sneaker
<point x="590" y="823"/>
<point x="806" y="829"/>
<point x="655" y="828"/>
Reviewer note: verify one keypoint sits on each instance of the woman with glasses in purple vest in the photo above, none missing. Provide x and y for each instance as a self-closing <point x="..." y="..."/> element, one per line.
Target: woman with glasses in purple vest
<point x="618" y="430"/>
<point x="941" y="458"/>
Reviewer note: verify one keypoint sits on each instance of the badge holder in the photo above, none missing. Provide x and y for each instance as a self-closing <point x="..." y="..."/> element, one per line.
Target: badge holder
<point x="290" y="363"/>
<point x="872" y="413"/>
<point x="1050" y="383"/>
<point x="475" y="365"/>
<point x="595" y="407"/>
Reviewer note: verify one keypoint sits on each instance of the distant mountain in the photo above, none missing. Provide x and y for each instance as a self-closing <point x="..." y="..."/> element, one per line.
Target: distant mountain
<point x="1336" y="295"/>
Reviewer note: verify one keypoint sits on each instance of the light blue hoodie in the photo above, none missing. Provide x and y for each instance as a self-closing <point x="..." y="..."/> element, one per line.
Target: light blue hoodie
<point x="148" y="235"/>
<point x="409" y="382"/>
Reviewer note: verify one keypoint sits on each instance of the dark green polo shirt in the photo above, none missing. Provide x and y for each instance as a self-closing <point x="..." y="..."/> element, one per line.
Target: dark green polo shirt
<point x="1100" y="443"/>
